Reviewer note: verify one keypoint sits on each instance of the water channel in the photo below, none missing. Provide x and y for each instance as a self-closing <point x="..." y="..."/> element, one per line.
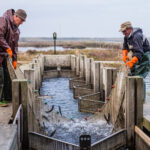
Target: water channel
<point x="71" y="124"/>
<point x="74" y="123"/>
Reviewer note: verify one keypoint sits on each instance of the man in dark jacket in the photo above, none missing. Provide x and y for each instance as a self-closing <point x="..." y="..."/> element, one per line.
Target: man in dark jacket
<point x="135" y="41"/>
<point x="9" y="36"/>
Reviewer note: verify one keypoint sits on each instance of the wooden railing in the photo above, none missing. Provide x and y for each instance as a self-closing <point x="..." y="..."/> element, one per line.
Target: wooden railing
<point x="19" y="122"/>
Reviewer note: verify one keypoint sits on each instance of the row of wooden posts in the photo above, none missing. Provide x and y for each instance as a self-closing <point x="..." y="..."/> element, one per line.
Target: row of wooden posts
<point x="23" y="90"/>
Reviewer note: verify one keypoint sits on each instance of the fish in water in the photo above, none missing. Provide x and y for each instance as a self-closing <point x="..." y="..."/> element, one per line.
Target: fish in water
<point x="53" y="133"/>
<point x="45" y="117"/>
<point x="107" y="118"/>
<point x="50" y="109"/>
<point x="60" y="110"/>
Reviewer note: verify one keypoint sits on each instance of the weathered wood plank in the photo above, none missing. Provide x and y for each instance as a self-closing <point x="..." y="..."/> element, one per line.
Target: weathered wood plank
<point x="15" y="95"/>
<point x="142" y="140"/>
<point x="112" y="142"/>
<point x="96" y="77"/>
<point x="88" y="71"/>
<point x="24" y="99"/>
<point x="146" y="123"/>
<point x="41" y="142"/>
<point x="130" y="110"/>
<point x="139" y="102"/>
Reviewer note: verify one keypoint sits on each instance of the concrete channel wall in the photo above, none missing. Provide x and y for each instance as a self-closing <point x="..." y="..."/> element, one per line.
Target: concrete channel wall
<point x="96" y="82"/>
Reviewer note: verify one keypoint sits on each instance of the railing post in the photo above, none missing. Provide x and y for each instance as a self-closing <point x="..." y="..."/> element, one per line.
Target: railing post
<point x="134" y="107"/>
<point x="24" y="100"/>
<point x="15" y="96"/>
<point x="88" y="71"/>
<point x="111" y="74"/>
<point x="96" y="77"/>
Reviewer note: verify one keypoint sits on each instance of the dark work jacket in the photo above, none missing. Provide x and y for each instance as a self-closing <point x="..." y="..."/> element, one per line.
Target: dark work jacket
<point x="9" y="35"/>
<point x="137" y="43"/>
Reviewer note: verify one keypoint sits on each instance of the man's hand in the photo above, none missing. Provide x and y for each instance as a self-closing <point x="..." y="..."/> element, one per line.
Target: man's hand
<point x="9" y="51"/>
<point x="133" y="61"/>
<point x="125" y="57"/>
<point x="15" y="64"/>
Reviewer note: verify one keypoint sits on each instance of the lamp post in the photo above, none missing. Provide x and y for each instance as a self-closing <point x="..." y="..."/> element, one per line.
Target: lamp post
<point x="54" y="38"/>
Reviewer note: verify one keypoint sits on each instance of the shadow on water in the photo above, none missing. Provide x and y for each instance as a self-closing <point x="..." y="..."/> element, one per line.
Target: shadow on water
<point x="61" y="118"/>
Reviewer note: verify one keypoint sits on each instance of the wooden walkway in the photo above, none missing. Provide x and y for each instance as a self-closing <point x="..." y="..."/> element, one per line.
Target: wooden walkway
<point x="5" y="114"/>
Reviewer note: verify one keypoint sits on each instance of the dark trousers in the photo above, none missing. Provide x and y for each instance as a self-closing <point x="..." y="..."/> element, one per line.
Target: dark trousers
<point x="7" y="90"/>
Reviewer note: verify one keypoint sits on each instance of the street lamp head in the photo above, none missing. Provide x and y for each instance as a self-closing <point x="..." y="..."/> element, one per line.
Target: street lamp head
<point x="54" y="35"/>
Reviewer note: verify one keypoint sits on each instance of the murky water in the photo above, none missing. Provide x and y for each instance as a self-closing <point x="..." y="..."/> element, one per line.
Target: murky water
<point x="24" y="49"/>
<point x="147" y="81"/>
<point x="58" y="94"/>
<point x="72" y="123"/>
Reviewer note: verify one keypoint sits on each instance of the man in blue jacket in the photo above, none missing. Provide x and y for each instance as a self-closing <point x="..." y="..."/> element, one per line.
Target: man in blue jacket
<point x="135" y="41"/>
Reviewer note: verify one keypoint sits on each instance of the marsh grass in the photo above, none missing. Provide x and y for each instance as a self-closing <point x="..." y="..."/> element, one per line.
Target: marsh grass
<point x="98" y="55"/>
<point x="72" y="44"/>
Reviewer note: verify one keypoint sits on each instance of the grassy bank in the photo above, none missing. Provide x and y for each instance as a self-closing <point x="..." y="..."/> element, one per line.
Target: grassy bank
<point x="99" y="55"/>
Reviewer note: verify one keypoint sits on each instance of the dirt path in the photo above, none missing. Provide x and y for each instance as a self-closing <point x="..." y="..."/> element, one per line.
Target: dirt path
<point x="5" y="114"/>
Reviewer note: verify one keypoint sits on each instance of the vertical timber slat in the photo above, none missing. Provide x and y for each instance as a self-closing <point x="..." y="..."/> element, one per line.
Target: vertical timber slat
<point x="88" y="71"/>
<point x="96" y="77"/>
<point x="24" y="98"/>
<point x="15" y="96"/>
<point x="139" y="102"/>
<point x="130" y="110"/>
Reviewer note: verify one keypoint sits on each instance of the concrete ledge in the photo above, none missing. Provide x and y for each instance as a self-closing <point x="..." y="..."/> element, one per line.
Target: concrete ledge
<point x="8" y="137"/>
<point x="82" y="90"/>
<point x="93" y="96"/>
<point x="76" y="81"/>
<point x="56" y="73"/>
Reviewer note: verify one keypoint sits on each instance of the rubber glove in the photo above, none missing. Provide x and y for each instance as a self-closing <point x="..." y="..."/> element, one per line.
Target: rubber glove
<point x="125" y="57"/>
<point x="9" y="51"/>
<point x="15" y="64"/>
<point x="133" y="61"/>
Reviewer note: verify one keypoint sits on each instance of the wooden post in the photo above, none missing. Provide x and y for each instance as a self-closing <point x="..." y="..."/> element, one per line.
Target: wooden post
<point x="134" y="107"/>
<point x="88" y="71"/>
<point x="30" y="75"/>
<point x="130" y="110"/>
<point x="20" y="96"/>
<point x="77" y="65"/>
<point x="111" y="74"/>
<point x="84" y="68"/>
<point x="102" y="96"/>
<point x="24" y="99"/>
<point x="92" y="71"/>
<point x="81" y="65"/>
<point x="73" y="65"/>
<point x="96" y="77"/>
<point x="108" y="85"/>
<point x="15" y="96"/>
<point x="139" y="102"/>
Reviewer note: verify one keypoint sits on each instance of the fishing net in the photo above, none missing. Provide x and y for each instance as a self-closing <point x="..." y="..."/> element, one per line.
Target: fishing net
<point x="113" y="110"/>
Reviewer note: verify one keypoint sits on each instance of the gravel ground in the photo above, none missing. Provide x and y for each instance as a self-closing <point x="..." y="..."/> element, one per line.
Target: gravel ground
<point x="5" y="114"/>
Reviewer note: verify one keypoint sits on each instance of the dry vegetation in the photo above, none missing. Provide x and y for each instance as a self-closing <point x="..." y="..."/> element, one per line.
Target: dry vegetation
<point x="72" y="44"/>
<point x="105" y="51"/>
<point x="103" y="55"/>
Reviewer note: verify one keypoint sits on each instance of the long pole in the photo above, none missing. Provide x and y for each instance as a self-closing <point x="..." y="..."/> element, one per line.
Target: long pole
<point x="54" y="46"/>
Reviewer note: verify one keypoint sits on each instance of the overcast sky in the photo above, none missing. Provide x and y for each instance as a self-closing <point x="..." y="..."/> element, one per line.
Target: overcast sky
<point x="80" y="18"/>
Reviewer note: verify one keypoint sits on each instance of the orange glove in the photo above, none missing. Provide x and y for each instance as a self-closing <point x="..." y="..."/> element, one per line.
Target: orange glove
<point x="133" y="61"/>
<point x="15" y="64"/>
<point x="125" y="57"/>
<point x="9" y="51"/>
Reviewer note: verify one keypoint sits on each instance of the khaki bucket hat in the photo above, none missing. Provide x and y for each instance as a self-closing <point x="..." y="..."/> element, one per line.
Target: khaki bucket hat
<point x="125" y="25"/>
<point x="21" y="13"/>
